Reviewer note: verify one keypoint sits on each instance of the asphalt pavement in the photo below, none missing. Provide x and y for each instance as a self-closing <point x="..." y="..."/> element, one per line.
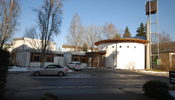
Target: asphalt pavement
<point x="89" y="84"/>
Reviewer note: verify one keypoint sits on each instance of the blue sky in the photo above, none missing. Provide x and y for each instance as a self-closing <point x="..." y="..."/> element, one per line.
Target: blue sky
<point x="122" y="13"/>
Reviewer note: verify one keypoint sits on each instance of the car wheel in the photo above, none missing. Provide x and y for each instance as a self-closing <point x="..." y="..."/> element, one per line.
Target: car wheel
<point x="60" y="73"/>
<point x="37" y="74"/>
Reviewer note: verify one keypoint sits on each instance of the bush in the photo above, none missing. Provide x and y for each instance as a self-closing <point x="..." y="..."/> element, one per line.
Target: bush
<point x="4" y="63"/>
<point x="156" y="89"/>
<point x="49" y="96"/>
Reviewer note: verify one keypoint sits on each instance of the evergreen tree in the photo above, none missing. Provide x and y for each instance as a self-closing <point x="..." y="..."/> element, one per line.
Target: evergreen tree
<point x="126" y="34"/>
<point x="85" y="47"/>
<point x="117" y="36"/>
<point x="141" y="31"/>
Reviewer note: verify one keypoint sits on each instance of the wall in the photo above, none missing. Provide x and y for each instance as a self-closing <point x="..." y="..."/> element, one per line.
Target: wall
<point x="128" y="55"/>
<point x="110" y="55"/>
<point x="59" y="60"/>
<point x="27" y="43"/>
<point x="22" y="58"/>
<point x="37" y="64"/>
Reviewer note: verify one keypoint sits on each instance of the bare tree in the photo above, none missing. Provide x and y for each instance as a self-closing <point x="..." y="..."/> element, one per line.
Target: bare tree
<point x="75" y="32"/>
<point x="164" y="37"/>
<point x="34" y="38"/>
<point x="92" y="35"/>
<point x="8" y="19"/>
<point x="109" y="31"/>
<point x="49" y="21"/>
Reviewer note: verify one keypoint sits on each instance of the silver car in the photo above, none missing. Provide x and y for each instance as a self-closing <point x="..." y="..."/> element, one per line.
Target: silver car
<point x="50" y="70"/>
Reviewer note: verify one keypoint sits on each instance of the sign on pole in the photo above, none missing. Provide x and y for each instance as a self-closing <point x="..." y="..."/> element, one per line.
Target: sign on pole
<point x="151" y="7"/>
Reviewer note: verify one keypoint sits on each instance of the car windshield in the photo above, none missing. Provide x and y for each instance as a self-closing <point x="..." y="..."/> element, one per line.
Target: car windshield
<point x="78" y="63"/>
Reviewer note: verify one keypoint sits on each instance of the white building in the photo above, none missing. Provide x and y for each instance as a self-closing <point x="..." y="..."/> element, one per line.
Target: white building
<point x="26" y="52"/>
<point x="123" y="53"/>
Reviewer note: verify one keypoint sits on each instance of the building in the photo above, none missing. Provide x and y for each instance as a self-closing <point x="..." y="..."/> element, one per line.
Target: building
<point x="166" y="55"/>
<point x="71" y="48"/>
<point x="124" y="53"/>
<point x="26" y="52"/>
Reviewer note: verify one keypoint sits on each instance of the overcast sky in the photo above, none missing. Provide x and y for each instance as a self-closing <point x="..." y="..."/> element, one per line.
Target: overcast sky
<point x="122" y="13"/>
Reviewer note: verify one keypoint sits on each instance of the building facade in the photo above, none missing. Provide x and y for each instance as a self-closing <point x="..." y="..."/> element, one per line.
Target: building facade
<point x="123" y="53"/>
<point x="165" y="52"/>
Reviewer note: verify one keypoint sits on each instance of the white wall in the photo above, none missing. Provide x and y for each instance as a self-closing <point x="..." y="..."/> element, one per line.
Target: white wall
<point x="110" y="55"/>
<point x="22" y="58"/>
<point x="132" y="57"/>
<point x="27" y="43"/>
<point x="37" y="64"/>
<point x="59" y="60"/>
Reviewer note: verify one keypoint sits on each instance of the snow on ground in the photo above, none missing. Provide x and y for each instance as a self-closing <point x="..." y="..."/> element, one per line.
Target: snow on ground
<point x="25" y="69"/>
<point x="156" y="73"/>
<point x="16" y="69"/>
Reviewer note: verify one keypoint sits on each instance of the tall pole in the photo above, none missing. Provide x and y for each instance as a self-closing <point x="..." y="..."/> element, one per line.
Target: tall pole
<point x="157" y="36"/>
<point x="148" y="37"/>
<point x="148" y="46"/>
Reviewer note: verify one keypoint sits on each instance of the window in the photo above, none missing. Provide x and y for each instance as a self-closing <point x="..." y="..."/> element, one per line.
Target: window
<point x="75" y="58"/>
<point x="35" y="57"/>
<point x="60" y="55"/>
<point x="78" y="63"/>
<point x="49" y="58"/>
<point x="51" y="66"/>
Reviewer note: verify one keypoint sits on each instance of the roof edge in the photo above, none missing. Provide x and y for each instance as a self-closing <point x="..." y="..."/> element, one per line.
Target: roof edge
<point x="121" y="40"/>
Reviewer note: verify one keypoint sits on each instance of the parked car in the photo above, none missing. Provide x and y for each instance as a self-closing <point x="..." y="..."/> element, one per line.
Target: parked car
<point x="76" y="65"/>
<point x="52" y="69"/>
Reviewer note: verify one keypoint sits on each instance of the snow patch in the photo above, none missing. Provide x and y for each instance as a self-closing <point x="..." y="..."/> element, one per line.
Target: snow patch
<point x="20" y="69"/>
<point x="154" y="72"/>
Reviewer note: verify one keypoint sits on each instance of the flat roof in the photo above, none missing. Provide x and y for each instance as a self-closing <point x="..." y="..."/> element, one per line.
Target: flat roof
<point x="121" y="40"/>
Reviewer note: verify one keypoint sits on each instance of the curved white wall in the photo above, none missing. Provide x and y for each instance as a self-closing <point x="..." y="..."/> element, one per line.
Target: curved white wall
<point x="128" y="55"/>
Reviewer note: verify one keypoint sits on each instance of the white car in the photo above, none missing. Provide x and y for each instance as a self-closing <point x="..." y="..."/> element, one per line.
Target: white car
<point x="52" y="69"/>
<point x="76" y="65"/>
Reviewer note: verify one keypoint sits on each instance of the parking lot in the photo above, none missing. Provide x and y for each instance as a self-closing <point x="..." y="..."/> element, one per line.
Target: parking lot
<point x="100" y="83"/>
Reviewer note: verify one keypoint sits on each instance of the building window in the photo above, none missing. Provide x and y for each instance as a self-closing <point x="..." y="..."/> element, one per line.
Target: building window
<point x="35" y="57"/>
<point x="49" y="58"/>
<point x="60" y="55"/>
<point x="75" y="57"/>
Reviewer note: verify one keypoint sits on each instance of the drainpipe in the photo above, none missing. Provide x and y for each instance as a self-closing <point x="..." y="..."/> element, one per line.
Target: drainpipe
<point x="170" y="59"/>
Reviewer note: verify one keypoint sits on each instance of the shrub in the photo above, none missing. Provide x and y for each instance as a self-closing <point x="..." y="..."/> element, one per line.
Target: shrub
<point x="156" y="89"/>
<point x="4" y="63"/>
<point x="49" y="96"/>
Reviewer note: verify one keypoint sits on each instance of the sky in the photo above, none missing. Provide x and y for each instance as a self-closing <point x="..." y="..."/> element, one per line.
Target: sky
<point x="121" y="13"/>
